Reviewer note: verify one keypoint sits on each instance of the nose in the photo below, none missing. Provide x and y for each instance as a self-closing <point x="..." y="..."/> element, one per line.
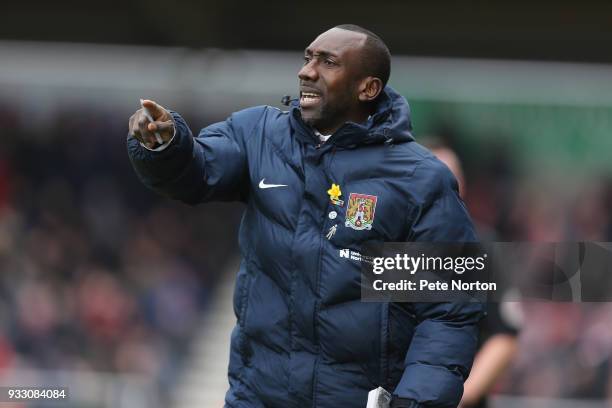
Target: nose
<point x="308" y="72"/>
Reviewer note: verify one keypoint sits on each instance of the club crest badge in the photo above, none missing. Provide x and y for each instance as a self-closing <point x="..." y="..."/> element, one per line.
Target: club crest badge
<point x="360" y="211"/>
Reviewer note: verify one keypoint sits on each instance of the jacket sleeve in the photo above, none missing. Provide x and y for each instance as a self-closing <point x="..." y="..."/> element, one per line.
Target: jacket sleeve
<point x="440" y="355"/>
<point x="212" y="166"/>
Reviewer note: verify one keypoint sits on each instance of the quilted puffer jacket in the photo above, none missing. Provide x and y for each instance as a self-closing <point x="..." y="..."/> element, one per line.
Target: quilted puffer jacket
<point x="302" y="337"/>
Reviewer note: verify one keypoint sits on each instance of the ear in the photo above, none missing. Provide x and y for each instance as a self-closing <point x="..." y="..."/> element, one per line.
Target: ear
<point x="370" y="88"/>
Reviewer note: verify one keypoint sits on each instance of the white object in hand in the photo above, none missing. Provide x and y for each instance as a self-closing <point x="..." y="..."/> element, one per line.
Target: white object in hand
<point x="379" y="398"/>
<point x="148" y="116"/>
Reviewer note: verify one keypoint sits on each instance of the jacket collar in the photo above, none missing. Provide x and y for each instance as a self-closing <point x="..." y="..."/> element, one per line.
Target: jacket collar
<point x="390" y="123"/>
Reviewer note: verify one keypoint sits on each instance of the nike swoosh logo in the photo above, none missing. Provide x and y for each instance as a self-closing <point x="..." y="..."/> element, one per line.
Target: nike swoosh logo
<point x="262" y="184"/>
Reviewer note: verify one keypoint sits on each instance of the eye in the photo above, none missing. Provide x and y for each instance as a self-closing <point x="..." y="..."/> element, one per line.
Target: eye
<point x="306" y="59"/>
<point x="329" y="62"/>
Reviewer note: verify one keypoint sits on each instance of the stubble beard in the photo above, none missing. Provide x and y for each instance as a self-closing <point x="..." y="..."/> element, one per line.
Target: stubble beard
<point x="324" y="118"/>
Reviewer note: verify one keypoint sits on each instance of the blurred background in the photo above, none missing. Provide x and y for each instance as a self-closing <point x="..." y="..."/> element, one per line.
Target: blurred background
<point x="125" y="297"/>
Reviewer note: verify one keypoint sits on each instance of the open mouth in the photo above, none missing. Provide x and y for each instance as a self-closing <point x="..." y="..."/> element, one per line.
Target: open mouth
<point x="309" y="99"/>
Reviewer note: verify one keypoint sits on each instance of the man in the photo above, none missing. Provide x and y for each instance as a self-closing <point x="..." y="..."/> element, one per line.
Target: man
<point x="498" y="342"/>
<point x="303" y="338"/>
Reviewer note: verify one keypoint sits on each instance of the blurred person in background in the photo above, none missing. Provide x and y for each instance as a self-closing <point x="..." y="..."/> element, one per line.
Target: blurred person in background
<point x="498" y="331"/>
<point x="303" y="338"/>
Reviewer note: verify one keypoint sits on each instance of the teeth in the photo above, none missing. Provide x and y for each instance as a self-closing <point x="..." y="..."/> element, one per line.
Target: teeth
<point x="309" y="95"/>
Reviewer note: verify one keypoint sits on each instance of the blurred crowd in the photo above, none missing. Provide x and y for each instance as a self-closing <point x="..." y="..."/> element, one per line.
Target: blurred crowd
<point x="96" y="272"/>
<point x="564" y="349"/>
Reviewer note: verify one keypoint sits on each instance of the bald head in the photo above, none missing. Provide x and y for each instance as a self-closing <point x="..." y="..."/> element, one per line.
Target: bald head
<point x="450" y="158"/>
<point x="375" y="55"/>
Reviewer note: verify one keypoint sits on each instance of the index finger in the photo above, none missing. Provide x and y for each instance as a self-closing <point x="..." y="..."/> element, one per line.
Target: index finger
<point x="154" y="109"/>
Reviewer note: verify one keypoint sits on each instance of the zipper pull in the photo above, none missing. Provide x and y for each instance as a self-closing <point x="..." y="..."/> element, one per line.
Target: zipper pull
<point x="331" y="232"/>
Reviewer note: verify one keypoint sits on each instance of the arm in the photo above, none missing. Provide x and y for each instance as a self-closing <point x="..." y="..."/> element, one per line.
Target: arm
<point x="491" y="361"/>
<point x="445" y="340"/>
<point x="495" y="355"/>
<point x="212" y="166"/>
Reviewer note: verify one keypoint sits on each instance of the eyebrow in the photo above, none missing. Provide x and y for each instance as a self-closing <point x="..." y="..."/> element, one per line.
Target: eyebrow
<point x="323" y="54"/>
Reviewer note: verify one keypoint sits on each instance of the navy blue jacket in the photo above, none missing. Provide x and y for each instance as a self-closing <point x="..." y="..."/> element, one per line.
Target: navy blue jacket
<point x="303" y="338"/>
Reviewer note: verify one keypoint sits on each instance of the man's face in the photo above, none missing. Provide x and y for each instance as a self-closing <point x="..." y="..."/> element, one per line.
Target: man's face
<point x="329" y="79"/>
